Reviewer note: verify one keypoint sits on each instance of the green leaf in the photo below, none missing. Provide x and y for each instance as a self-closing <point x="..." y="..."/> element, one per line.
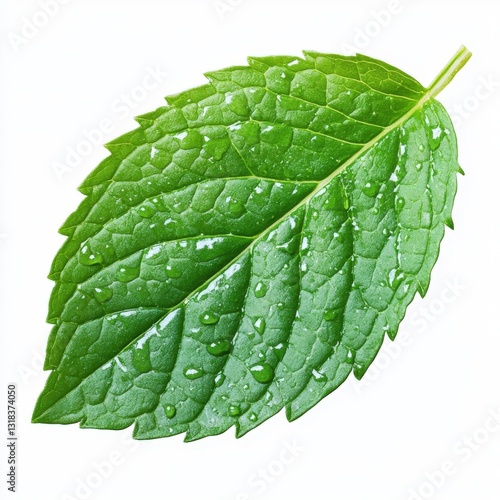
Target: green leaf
<point x="249" y="246"/>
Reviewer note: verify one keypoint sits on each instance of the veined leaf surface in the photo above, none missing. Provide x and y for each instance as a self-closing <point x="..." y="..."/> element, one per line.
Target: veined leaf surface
<point x="249" y="246"/>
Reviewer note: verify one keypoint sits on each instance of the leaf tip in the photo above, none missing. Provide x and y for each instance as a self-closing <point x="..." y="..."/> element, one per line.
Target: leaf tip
<point x="422" y="288"/>
<point x="190" y="438"/>
<point x="37" y="415"/>
<point x="311" y="54"/>
<point x="240" y="431"/>
<point x="195" y="434"/>
<point x="293" y="412"/>
<point x="35" y="418"/>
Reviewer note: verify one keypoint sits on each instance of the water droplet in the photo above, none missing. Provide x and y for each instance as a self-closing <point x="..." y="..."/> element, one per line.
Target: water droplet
<point x="219" y="348"/>
<point x="358" y="370"/>
<point x="172" y="272"/>
<point x="103" y="294"/>
<point x="209" y="318"/>
<point x="141" y="359"/>
<point x="418" y="167"/>
<point x="395" y="278"/>
<point x="350" y="357"/>
<point x="260" y="325"/>
<point x="319" y="376"/>
<point x="113" y="318"/>
<point x="260" y="290"/>
<point x="339" y="237"/>
<point x="236" y="208"/>
<point x="331" y="204"/>
<point x="252" y="417"/>
<point x="287" y="247"/>
<point x="146" y="211"/>
<point x="127" y="273"/>
<point x="169" y="410"/>
<point x="375" y="210"/>
<point x="159" y="205"/>
<point x="219" y="379"/>
<point x="89" y="258"/>
<point x="108" y="252"/>
<point x="263" y="373"/>
<point x="234" y="410"/>
<point x="192" y="373"/>
<point x="400" y="203"/>
<point x="370" y="189"/>
<point x="329" y="314"/>
<point x="279" y="350"/>
<point x="421" y="147"/>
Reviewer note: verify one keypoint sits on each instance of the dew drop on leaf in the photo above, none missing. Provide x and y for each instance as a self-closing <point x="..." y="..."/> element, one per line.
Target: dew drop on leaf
<point x="350" y="357"/>
<point x="339" y="237"/>
<point x="370" y="189"/>
<point x="169" y="410"/>
<point x="219" y="348"/>
<point x="234" y="410"/>
<point x="358" y="370"/>
<point x="400" y="203"/>
<point x="319" y="376"/>
<point x="103" y="294"/>
<point x="329" y="314"/>
<point x="219" y="379"/>
<point x="127" y="273"/>
<point x="192" y="373"/>
<point x="89" y="258"/>
<point x="262" y="372"/>
<point x="395" y="278"/>
<point x="260" y="290"/>
<point x="260" y="325"/>
<point x="141" y="360"/>
<point x="209" y="318"/>
<point x="279" y="350"/>
<point x="236" y="208"/>
<point x="113" y="318"/>
<point x="146" y="211"/>
<point x="172" y="272"/>
<point x="329" y="204"/>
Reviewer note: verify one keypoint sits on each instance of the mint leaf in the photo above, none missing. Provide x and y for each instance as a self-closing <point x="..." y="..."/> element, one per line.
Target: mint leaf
<point x="249" y="246"/>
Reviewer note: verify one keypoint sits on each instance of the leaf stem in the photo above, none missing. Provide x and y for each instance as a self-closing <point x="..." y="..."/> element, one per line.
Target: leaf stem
<point x="456" y="63"/>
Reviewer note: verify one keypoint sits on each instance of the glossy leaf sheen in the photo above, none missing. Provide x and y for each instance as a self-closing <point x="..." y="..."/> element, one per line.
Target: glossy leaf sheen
<point x="248" y="247"/>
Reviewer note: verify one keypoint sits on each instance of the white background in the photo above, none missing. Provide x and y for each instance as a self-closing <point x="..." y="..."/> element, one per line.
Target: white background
<point x="381" y="439"/>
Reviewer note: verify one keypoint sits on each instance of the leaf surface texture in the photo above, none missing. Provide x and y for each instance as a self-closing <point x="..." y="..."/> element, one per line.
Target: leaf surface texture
<point x="248" y="247"/>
